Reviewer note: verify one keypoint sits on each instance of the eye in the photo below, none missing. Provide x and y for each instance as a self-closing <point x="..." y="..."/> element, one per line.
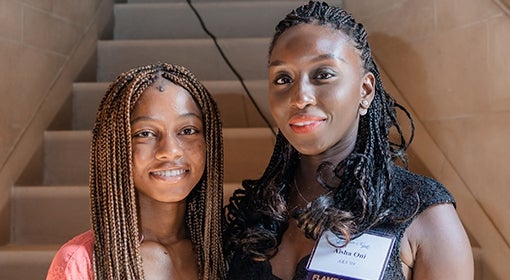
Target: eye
<point x="189" y="131"/>
<point x="323" y="75"/>
<point x="144" y="134"/>
<point x="282" y="79"/>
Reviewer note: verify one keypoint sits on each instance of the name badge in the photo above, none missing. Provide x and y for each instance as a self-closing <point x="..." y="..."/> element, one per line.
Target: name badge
<point x="364" y="257"/>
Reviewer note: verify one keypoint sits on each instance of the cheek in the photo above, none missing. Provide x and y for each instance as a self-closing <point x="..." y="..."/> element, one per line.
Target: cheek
<point x="347" y="98"/>
<point x="277" y="106"/>
<point x="201" y="158"/>
<point x="141" y="154"/>
<point x="196" y="153"/>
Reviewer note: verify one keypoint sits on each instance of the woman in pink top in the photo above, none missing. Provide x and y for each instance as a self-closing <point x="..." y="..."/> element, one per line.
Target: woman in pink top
<point x="156" y="171"/>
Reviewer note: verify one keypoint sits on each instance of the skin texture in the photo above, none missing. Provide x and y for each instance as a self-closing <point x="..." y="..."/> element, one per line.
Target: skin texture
<point x="168" y="161"/>
<point x="316" y="87"/>
<point x="437" y="246"/>
<point x="315" y="78"/>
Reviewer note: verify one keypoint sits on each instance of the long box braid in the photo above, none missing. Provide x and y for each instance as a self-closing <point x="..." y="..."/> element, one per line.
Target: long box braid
<point x="114" y="206"/>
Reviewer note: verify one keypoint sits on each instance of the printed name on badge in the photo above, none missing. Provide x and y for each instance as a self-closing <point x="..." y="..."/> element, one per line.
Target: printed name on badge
<point x="364" y="257"/>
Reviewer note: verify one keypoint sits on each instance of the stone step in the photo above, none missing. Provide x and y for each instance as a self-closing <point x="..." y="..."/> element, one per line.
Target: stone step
<point x="224" y="19"/>
<point x="25" y="262"/>
<point x="202" y="1"/>
<point x="235" y="107"/>
<point x="48" y="214"/>
<point x="247" y="55"/>
<point x="54" y="214"/>
<point x="66" y="155"/>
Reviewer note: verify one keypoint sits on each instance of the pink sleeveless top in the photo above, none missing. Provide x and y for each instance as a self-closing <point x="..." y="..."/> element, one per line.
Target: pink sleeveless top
<point x="74" y="259"/>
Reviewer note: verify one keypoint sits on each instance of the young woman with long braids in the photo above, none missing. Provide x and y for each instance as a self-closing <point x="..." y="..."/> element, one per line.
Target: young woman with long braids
<point x="333" y="167"/>
<point x="156" y="172"/>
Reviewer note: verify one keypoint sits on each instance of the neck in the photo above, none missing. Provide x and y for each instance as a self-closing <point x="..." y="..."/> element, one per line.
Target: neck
<point x="323" y="165"/>
<point x="309" y="164"/>
<point x="163" y="222"/>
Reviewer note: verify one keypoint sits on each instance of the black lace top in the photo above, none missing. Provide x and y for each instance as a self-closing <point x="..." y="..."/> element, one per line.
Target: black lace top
<point x="430" y="192"/>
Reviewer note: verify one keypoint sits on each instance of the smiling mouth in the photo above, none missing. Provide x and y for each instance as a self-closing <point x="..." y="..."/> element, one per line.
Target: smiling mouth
<point x="305" y="124"/>
<point x="169" y="173"/>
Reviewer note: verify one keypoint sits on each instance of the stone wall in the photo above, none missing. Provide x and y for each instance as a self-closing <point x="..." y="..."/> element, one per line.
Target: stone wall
<point x="449" y="59"/>
<point x="44" y="45"/>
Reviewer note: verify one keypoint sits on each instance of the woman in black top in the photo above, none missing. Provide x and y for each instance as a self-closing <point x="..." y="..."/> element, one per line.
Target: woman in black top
<point x="333" y="166"/>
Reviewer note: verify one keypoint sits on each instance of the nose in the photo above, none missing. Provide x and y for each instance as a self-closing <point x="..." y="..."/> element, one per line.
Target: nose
<point x="303" y="94"/>
<point x="169" y="148"/>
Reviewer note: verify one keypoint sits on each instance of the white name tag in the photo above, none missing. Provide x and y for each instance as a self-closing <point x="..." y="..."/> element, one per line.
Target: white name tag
<point x="363" y="258"/>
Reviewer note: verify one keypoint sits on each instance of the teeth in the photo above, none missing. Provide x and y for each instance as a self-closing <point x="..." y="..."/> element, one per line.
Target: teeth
<point x="169" y="173"/>
<point x="303" y="123"/>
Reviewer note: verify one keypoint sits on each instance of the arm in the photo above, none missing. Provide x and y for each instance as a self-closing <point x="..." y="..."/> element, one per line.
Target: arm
<point x="440" y="245"/>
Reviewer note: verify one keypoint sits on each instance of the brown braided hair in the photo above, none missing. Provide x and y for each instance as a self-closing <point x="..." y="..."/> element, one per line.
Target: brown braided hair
<point x="114" y="204"/>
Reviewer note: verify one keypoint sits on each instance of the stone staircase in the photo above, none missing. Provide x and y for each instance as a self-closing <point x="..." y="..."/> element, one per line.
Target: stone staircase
<point x="52" y="206"/>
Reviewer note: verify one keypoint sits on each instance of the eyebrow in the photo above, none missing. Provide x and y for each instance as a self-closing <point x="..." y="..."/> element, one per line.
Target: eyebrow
<point x="147" y="118"/>
<point x="315" y="59"/>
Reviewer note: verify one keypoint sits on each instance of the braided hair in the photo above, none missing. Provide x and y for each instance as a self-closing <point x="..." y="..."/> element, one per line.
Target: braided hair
<point x="258" y="214"/>
<point x="113" y="197"/>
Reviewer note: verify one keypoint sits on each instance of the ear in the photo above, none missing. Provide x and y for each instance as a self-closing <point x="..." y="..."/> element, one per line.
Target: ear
<point x="367" y="93"/>
<point x="368" y="88"/>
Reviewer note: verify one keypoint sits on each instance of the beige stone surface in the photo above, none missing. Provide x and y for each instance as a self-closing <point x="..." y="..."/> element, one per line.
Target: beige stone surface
<point x="46" y="5"/>
<point x="25" y="75"/>
<point x="448" y="60"/>
<point x="78" y="12"/>
<point x="453" y="14"/>
<point x="499" y="63"/>
<point x="35" y="45"/>
<point x="442" y="76"/>
<point x="48" y="32"/>
<point x="10" y="19"/>
<point x="481" y="158"/>
<point x="412" y="19"/>
<point x="363" y="10"/>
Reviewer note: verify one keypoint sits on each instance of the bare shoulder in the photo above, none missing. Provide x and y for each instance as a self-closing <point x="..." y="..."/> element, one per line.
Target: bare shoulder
<point x="439" y="244"/>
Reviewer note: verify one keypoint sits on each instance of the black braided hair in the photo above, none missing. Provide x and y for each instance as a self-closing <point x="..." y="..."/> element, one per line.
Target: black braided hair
<point x="258" y="215"/>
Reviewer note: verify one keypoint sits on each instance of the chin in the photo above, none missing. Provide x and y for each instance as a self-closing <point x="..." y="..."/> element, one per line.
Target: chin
<point x="310" y="148"/>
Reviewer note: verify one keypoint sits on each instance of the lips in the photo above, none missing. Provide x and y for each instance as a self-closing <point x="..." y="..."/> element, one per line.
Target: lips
<point x="305" y="124"/>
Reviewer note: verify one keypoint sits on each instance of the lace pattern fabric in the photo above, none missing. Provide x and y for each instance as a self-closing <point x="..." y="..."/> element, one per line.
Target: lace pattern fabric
<point x="74" y="259"/>
<point x="430" y="193"/>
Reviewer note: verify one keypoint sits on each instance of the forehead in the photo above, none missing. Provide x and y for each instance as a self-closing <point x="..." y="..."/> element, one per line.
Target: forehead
<point x="167" y="97"/>
<point x="312" y="40"/>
